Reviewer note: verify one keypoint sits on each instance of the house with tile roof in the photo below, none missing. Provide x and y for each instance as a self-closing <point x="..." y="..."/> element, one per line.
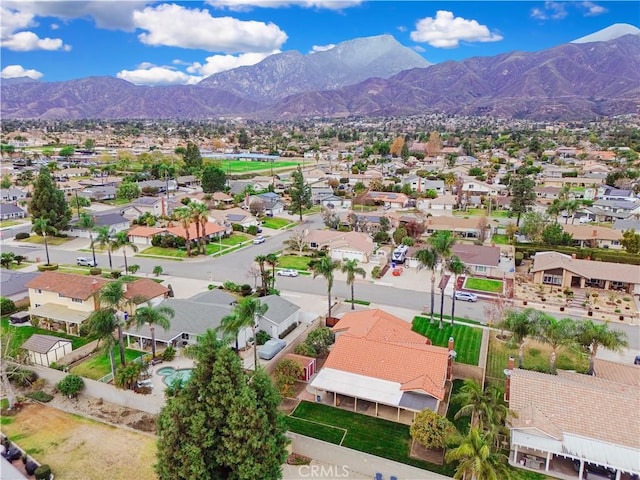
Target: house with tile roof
<point x="593" y="236"/>
<point x="342" y="245"/>
<point x="574" y="419"/>
<point x="463" y="227"/>
<point x="560" y="270"/>
<point x="141" y="235"/>
<point x="379" y="362"/>
<point x="63" y="301"/>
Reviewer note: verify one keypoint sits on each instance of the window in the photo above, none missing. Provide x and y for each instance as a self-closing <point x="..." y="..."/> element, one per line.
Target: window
<point x="552" y="279"/>
<point x="480" y="268"/>
<point x="313" y="245"/>
<point x="76" y="300"/>
<point x="61" y="295"/>
<point x="37" y="305"/>
<point x="37" y="290"/>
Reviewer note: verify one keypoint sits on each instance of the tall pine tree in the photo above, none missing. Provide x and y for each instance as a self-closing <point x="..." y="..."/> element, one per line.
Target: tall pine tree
<point x="223" y="424"/>
<point x="300" y="193"/>
<point x="192" y="158"/>
<point x="213" y="179"/>
<point x="48" y="202"/>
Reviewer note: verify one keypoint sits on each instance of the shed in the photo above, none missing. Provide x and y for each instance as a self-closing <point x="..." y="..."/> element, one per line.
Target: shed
<point x="46" y="349"/>
<point x="308" y="365"/>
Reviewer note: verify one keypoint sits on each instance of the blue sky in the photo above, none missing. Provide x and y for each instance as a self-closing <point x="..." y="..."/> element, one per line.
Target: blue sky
<point x="163" y="43"/>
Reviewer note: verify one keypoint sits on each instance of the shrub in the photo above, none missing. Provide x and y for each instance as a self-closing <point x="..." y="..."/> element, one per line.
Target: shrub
<point x="320" y="339"/>
<point x="7" y="306"/>
<point x="211" y="286"/>
<point x="245" y="290"/>
<point x="39" y="396"/>
<point x="519" y="258"/>
<point x="21" y="376"/>
<point x="70" y="385"/>
<point x="169" y="354"/>
<point x="305" y="349"/>
<point x="157" y="270"/>
<point x="133" y="269"/>
<point x="95" y="271"/>
<point x="43" y="472"/>
<point x="289" y="329"/>
<point x="21" y="235"/>
<point x="237" y="228"/>
<point x="286" y="374"/>
<point x="116" y="274"/>
<point x="262" y="337"/>
<point x="231" y="287"/>
<point x="47" y="268"/>
<point x="252" y="230"/>
<point x="375" y="271"/>
<point x="156" y="240"/>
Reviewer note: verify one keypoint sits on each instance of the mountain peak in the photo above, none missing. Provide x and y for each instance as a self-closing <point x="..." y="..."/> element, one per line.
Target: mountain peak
<point x="610" y="33"/>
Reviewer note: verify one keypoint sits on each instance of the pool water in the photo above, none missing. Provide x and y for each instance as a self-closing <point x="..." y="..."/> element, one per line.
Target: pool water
<point x="172" y="375"/>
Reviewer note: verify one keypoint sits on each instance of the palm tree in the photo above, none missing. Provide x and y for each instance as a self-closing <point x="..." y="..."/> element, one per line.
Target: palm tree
<point x="521" y="323"/>
<point x="112" y="297"/>
<point x="457" y="267"/>
<point x="477" y="461"/>
<point x="593" y="336"/>
<point x="555" y="209"/>
<point x="450" y="181"/>
<point x="272" y="261"/>
<point x="160" y="315"/>
<point x="555" y="333"/>
<point x="473" y="401"/>
<point x="86" y="221"/>
<point x="428" y="258"/>
<point x="351" y="268"/>
<point x="42" y="227"/>
<point x="245" y="314"/>
<point x="121" y="241"/>
<point x="103" y="239"/>
<point x="200" y="215"/>
<point x="261" y="260"/>
<point x="183" y="215"/>
<point x="325" y="268"/>
<point x="441" y="242"/>
<point x="101" y="324"/>
<point x="571" y="207"/>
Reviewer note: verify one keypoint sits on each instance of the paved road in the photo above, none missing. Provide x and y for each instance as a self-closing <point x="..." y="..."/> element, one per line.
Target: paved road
<point x="235" y="266"/>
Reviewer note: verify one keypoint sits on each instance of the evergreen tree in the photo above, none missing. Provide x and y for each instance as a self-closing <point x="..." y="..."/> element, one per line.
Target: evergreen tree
<point x="523" y="195"/>
<point x="223" y="424"/>
<point x="213" y="179"/>
<point x="49" y="202"/>
<point x="300" y="193"/>
<point x="192" y="157"/>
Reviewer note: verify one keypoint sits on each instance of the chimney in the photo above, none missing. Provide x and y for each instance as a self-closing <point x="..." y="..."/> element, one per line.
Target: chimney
<point x="507" y="383"/>
<point x="163" y="206"/>
<point x="246" y="199"/>
<point x="452" y="357"/>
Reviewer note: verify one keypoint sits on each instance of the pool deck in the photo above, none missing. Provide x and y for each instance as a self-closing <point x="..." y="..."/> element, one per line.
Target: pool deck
<point x="158" y="380"/>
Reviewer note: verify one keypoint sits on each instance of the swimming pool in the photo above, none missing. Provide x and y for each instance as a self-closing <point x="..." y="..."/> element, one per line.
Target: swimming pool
<point x="171" y="375"/>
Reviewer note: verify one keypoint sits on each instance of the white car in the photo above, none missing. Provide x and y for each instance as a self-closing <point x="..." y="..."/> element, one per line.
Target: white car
<point x="259" y="239"/>
<point x="466" y="296"/>
<point x="289" y="272"/>
<point x="85" y="262"/>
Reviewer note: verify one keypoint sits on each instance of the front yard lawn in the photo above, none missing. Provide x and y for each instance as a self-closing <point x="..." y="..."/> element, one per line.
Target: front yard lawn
<point x="536" y="357"/>
<point x="11" y="223"/>
<point x="372" y="435"/>
<point x="276" y="223"/>
<point x="19" y="335"/>
<point x="293" y="261"/>
<point x="467" y="339"/>
<point x="50" y="240"/>
<point x="483" y="285"/>
<point x="99" y="365"/>
<point x="164" y="252"/>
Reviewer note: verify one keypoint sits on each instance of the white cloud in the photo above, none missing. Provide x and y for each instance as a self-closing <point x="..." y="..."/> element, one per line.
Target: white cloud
<point x="176" y="26"/>
<point x="220" y="63"/>
<point x="29" y="41"/>
<point x="592" y="9"/>
<point x="447" y="31"/>
<point x="322" y="48"/>
<point x="552" y="10"/>
<point x="17" y="71"/>
<point x="243" y="5"/>
<point x="157" y="76"/>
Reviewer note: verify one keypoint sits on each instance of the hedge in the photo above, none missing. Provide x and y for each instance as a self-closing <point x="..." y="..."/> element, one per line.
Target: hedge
<point x="598" y="254"/>
<point x="47" y="268"/>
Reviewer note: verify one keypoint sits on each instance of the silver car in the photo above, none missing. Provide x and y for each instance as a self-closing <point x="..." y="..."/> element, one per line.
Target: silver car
<point x="466" y="296"/>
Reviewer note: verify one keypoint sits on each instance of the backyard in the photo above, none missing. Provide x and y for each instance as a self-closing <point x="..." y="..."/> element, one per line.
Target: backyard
<point x="474" y="212"/>
<point x="98" y="365"/>
<point x="75" y="447"/>
<point x="467" y="339"/>
<point x="19" y="335"/>
<point x="276" y="223"/>
<point x="483" y="285"/>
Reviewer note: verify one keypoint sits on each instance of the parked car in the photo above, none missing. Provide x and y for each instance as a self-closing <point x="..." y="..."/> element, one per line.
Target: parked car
<point x="599" y="470"/>
<point x="85" y="262"/>
<point x="271" y="348"/>
<point x="287" y="272"/>
<point x="466" y="296"/>
<point x="259" y="239"/>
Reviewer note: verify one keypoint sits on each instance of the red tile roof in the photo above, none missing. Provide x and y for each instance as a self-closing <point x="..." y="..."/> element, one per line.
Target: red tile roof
<point x="145" y="288"/>
<point x="67" y="284"/>
<point x="380" y="326"/>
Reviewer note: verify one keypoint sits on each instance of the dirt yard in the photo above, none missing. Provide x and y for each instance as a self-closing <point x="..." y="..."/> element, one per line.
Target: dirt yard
<point x="77" y="447"/>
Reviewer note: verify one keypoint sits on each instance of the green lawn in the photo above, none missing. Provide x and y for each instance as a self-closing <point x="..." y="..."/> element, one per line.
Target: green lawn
<point x="483" y="284"/>
<point x="536" y="357"/>
<point x="243" y="166"/>
<point x="275" y="222"/>
<point x="117" y="201"/>
<point x="364" y="433"/>
<point x="293" y="261"/>
<point x="474" y="212"/>
<point x="50" y="240"/>
<point x="19" y="335"/>
<point x="99" y="365"/>
<point x="467" y="339"/>
<point x="227" y="245"/>
<point x="500" y="239"/>
<point x="164" y="252"/>
<point x="11" y="223"/>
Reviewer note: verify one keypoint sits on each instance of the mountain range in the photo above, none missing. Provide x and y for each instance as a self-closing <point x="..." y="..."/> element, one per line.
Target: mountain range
<point x="374" y="76"/>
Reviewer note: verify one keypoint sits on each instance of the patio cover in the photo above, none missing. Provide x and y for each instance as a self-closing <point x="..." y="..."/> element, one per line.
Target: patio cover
<point x="593" y="451"/>
<point x="59" y="313"/>
<point x="353" y="385"/>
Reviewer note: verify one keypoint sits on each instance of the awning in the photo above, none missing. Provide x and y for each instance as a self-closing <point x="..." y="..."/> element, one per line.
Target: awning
<point x="59" y="313"/>
<point x="359" y="386"/>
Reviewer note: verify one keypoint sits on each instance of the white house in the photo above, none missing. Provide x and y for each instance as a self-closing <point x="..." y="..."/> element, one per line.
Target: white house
<point x="46" y="349"/>
<point x="280" y="315"/>
<point x="8" y="211"/>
